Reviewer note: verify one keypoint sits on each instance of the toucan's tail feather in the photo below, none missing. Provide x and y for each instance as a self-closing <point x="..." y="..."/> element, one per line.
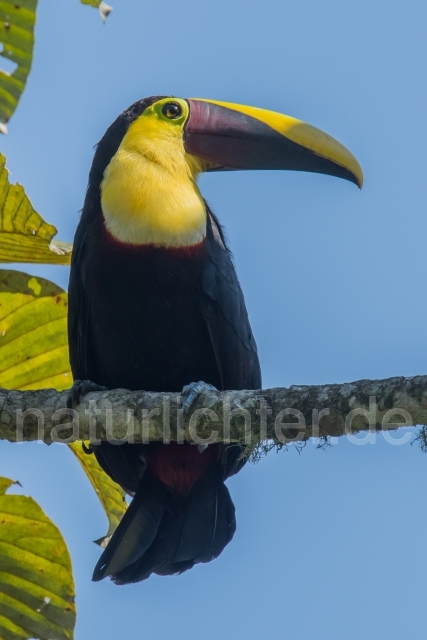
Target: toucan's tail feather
<point x="135" y="533"/>
<point x="159" y="554"/>
<point x="209" y="522"/>
<point x="165" y="534"/>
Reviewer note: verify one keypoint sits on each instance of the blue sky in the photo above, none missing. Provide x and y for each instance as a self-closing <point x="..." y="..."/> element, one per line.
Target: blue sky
<point x="330" y="544"/>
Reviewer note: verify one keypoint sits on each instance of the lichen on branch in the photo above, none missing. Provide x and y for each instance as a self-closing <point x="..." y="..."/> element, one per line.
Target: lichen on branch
<point x="279" y="415"/>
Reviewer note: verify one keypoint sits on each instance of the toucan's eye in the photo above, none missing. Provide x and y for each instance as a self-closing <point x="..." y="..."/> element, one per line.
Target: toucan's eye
<point x="172" y="110"/>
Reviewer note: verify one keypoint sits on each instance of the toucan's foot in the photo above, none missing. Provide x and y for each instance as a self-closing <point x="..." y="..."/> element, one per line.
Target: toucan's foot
<point x="79" y="389"/>
<point x="191" y="392"/>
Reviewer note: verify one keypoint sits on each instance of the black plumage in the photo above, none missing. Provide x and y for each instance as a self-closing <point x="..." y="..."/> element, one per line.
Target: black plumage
<point x="156" y="318"/>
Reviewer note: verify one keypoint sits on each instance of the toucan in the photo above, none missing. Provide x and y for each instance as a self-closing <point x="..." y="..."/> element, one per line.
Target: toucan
<point x="155" y="305"/>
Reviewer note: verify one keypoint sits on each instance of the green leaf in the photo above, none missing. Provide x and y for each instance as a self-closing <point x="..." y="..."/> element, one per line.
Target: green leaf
<point x="111" y="496"/>
<point x="5" y="483"/>
<point x="34" y="355"/>
<point x="36" y="582"/>
<point x="33" y="333"/>
<point x="17" y="20"/>
<point x="104" y="9"/>
<point x="24" y="235"/>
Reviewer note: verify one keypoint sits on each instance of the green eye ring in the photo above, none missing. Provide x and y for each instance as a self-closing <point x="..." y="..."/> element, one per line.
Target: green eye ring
<point x="172" y="110"/>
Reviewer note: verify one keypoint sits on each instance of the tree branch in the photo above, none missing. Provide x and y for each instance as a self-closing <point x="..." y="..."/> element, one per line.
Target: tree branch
<point x="282" y="415"/>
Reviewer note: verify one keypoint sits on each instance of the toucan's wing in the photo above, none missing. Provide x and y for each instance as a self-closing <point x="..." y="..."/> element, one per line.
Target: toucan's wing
<point x="78" y="312"/>
<point x="223" y="308"/>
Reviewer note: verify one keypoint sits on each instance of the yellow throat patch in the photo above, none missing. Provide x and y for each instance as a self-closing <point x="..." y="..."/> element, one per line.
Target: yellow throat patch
<point x="149" y="193"/>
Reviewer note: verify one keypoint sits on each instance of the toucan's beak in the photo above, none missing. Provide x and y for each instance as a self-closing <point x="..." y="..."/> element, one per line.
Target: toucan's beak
<point x="233" y="136"/>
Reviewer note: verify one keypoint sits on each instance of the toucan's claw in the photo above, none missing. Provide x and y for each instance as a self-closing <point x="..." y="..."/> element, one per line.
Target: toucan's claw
<point x="191" y="392"/>
<point x="79" y="389"/>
